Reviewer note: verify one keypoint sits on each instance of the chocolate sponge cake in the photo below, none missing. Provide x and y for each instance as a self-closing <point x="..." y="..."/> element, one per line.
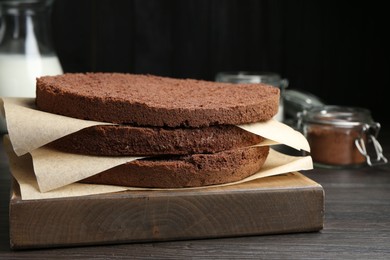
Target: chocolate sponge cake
<point x="186" y="171"/>
<point x="186" y="128"/>
<point x="146" y="100"/>
<point x="116" y="140"/>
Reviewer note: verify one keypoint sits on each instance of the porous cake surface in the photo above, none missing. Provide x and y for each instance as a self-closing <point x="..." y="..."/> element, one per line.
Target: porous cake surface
<point x="116" y="140"/>
<point x="147" y="100"/>
<point x="186" y="171"/>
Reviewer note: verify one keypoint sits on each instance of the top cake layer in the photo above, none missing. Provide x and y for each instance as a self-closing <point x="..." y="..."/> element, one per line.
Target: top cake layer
<point x="147" y="100"/>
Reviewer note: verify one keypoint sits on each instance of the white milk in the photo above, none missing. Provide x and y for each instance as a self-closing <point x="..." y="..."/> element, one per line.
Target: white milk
<point x="18" y="75"/>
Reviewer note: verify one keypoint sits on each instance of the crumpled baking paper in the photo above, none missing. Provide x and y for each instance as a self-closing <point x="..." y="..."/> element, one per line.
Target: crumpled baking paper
<point x="56" y="173"/>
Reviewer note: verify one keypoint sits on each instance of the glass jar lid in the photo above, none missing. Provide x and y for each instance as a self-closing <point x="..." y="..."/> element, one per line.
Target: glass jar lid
<point x="296" y="101"/>
<point x="271" y="78"/>
<point x="337" y="116"/>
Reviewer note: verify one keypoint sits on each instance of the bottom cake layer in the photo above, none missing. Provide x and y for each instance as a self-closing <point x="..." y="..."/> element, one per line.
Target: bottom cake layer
<point x="186" y="171"/>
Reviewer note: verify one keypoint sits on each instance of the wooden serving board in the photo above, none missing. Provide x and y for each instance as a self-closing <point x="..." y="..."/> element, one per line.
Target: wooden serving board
<point x="280" y="204"/>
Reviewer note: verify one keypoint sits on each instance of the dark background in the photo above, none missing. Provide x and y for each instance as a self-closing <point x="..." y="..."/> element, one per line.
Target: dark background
<point x="337" y="50"/>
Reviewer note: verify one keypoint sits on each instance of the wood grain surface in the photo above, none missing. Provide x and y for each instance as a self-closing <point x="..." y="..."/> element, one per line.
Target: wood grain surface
<point x="280" y="204"/>
<point x="356" y="226"/>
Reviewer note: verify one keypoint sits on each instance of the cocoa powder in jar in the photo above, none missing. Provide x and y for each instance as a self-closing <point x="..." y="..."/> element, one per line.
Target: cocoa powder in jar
<point x="332" y="145"/>
<point x="337" y="135"/>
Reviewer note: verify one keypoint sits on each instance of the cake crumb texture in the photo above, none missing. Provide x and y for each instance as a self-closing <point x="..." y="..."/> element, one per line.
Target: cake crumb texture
<point x="185" y="171"/>
<point x="147" y="100"/>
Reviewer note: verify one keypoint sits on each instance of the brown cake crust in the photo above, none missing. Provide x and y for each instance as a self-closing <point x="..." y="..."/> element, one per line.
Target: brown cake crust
<point x="186" y="171"/>
<point x="147" y="100"/>
<point x="116" y="140"/>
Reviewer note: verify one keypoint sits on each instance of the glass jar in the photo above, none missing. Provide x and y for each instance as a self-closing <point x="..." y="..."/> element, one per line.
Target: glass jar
<point x="341" y="136"/>
<point x="296" y="101"/>
<point x="26" y="50"/>
<point x="270" y="78"/>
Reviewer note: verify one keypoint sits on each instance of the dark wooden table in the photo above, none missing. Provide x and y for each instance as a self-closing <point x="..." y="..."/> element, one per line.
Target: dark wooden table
<point x="357" y="226"/>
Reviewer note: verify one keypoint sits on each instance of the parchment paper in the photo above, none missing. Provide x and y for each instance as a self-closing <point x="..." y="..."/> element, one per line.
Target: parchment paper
<point x="22" y="169"/>
<point x="30" y="130"/>
<point x="54" y="169"/>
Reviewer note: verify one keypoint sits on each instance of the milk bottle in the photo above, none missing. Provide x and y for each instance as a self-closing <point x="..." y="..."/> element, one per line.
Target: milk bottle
<point x="26" y="50"/>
